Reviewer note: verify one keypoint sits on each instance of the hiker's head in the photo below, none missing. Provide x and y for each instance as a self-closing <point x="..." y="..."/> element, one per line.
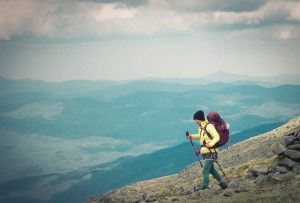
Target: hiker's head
<point x="199" y="116"/>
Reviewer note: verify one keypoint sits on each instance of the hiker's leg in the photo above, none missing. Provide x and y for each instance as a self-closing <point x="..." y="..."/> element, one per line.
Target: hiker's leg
<point x="218" y="177"/>
<point x="205" y="173"/>
<point x="215" y="173"/>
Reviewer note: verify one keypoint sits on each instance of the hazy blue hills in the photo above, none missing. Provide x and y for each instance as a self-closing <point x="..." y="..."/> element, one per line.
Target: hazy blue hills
<point x="281" y="93"/>
<point x="71" y="87"/>
<point x="146" y="113"/>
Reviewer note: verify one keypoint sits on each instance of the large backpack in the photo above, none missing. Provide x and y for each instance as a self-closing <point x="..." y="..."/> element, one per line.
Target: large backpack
<point x="221" y="127"/>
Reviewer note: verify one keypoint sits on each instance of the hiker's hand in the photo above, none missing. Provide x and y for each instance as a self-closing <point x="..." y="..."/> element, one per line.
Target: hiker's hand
<point x="189" y="137"/>
<point x="208" y="146"/>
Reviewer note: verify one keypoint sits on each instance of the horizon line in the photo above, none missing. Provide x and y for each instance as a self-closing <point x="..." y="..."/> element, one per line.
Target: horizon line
<point x="149" y="78"/>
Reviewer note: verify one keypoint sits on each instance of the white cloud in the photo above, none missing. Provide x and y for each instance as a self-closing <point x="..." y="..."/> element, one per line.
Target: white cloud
<point x="287" y="32"/>
<point x="295" y="12"/>
<point x="71" y="19"/>
<point x="44" y="109"/>
<point x="273" y="110"/>
<point x="211" y="5"/>
<point x="267" y="33"/>
<point x="22" y="17"/>
<point x="35" y="154"/>
<point x="47" y="187"/>
<point x="271" y="13"/>
<point x="109" y="12"/>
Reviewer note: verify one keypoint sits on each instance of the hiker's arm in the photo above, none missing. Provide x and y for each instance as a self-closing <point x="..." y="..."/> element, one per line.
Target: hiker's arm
<point x="195" y="136"/>
<point x="213" y="132"/>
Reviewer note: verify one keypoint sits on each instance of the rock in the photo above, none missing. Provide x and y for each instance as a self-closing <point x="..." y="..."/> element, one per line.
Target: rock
<point x="259" y="180"/>
<point x="288" y="140"/>
<point x="288" y="176"/>
<point x="292" y="154"/>
<point x="280" y="155"/>
<point x="145" y="195"/>
<point x="276" y="177"/>
<point x="152" y="199"/>
<point x="233" y="184"/>
<point x="282" y="169"/>
<point x="295" y="146"/>
<point x="281" y="141"/>
<point x="297" y="184"/>
<point x="263" y="171"/>
<point x="174" y="199"/>
<point x="229" y="192"/>
<point x="287" y="162"/>
<point x="289" y="133"/>
<point x="253" y="173"/>
<point x="296" y="169"/>
<point x="148" y="198"/>
<point x="241" y="188"/>
<point x="297" y="132"/>
<point x="268" y="179"/>
<point x="137" y="201"/>
<point x="275" y="147"/>
<point x="278" y="148"/>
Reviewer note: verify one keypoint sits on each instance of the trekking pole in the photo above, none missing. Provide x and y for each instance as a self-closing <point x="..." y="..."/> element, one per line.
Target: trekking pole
<point x="187" y="135"/>
<point x="222" y="171"/>
<point x="220" y="167"/>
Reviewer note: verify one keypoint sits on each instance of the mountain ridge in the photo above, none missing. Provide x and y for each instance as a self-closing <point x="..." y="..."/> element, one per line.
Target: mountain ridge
<point x="240" y="162"/>
<point x="218" y="76"/>
<point x="227" y="77"/>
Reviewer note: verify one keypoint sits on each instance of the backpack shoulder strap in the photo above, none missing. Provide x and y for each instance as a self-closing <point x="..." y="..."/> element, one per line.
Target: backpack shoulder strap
<point x="207" y="133"/>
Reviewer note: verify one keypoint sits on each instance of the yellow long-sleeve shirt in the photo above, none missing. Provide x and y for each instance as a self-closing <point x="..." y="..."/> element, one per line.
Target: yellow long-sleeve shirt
<point x="202" y="136"/>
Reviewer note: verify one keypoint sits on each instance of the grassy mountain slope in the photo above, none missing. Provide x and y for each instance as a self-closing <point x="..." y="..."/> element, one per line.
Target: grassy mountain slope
<point x="160" y="163"/>
<point x="254" y="154"/>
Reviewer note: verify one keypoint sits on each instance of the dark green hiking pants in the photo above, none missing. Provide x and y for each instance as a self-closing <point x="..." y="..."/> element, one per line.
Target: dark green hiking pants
<point x="208" y="168"/>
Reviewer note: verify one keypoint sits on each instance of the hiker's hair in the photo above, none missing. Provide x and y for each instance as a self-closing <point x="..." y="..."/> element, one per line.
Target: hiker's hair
<point x="199" y="115"/>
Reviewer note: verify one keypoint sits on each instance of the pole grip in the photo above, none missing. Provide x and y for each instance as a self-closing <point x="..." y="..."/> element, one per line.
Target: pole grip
<point x="187" y="134"/>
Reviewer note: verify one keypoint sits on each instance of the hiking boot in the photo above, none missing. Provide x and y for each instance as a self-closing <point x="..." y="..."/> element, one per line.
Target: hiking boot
<point x="223" y="185"/>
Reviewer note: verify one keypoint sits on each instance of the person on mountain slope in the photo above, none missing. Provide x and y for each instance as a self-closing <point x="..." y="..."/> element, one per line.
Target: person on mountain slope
<point x="209" y="153"/>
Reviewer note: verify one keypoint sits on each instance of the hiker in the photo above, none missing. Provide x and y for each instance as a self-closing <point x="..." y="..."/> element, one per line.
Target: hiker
<point x="209" y="153"/>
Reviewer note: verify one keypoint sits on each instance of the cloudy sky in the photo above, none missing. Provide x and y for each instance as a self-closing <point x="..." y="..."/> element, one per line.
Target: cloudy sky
<point x="59" y="40"/>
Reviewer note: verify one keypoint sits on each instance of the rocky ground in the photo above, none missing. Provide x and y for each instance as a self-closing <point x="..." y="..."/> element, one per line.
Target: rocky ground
<point x="265" y="168"/>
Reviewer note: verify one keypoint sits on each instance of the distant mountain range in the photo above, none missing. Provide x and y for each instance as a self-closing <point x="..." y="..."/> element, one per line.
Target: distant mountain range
<point x="225" y="77"/>
<point x="137" y="108"/>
